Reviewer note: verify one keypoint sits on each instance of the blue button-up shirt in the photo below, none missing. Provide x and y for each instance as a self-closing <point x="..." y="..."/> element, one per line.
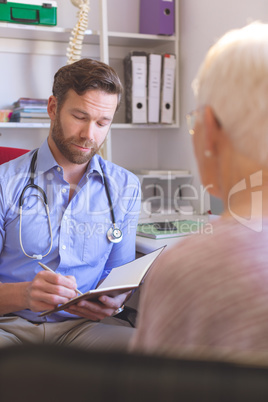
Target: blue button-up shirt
<point x="79" y="226"/>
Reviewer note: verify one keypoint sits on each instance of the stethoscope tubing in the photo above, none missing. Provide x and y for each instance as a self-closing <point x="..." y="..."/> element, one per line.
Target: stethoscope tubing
<point x="114" y="234"/>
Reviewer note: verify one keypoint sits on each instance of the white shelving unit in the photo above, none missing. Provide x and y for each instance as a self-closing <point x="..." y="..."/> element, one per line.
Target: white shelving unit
<point x="110" y="47"/>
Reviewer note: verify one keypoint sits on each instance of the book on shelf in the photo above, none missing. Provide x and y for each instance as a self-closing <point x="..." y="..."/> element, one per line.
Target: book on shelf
<point x="30" y="117"/>
<point x="30" y="102"/>
<point x="29" y="112"/>
<point x="30" y="120"/>
<point x="162" y="230"/>
<point x="30" y="109"/>
<point x="120" y="280"/>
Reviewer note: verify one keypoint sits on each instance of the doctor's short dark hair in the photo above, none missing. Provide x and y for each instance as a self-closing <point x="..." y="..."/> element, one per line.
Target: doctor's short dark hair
<point x="84" y="75"/>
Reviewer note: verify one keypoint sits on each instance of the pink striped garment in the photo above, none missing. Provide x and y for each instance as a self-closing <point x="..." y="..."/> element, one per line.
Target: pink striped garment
<point x="209" y="292"/>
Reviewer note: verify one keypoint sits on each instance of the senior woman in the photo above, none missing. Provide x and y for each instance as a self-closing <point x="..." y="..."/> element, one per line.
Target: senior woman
<point x="210" y="292"/>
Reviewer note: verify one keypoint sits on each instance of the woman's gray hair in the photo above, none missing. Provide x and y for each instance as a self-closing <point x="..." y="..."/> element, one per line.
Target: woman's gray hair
<point x="233" y="80"/>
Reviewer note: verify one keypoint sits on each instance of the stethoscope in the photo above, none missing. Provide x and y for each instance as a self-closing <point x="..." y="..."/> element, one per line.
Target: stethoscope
<point x="114" y="234"/>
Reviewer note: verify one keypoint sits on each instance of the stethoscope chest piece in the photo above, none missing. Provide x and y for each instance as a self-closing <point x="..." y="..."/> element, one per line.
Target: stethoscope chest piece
<point x="114" y="235"/>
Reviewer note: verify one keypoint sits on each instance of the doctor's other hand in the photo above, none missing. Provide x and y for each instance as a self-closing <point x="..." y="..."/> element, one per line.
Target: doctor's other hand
<point x="47" y="290"/>
<point x="96" y="311"/>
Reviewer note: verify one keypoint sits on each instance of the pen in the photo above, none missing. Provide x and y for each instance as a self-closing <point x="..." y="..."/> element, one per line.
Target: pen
<point x="45" y="267"/>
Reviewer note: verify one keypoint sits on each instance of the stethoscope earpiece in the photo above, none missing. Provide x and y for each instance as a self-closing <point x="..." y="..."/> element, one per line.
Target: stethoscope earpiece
<point x="114" y="235"/>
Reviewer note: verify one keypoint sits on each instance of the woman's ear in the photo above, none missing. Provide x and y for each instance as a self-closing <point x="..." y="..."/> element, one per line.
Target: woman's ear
<point x="52" y="107"/>
<point x="212" y="130"/>
<point x="209" y="169"/>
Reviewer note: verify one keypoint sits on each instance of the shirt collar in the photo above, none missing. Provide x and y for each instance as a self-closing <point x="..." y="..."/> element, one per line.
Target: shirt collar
<point x="45" y="162"/>
<point x="45" y="159"/>
<point x="95" y="166"/>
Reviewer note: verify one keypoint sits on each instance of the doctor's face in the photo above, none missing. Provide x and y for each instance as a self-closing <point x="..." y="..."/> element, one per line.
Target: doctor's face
<point x="80" y="127"/>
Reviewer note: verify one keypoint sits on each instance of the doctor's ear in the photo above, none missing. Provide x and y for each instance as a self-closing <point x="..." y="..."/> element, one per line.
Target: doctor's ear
<point x="52" y="107"/>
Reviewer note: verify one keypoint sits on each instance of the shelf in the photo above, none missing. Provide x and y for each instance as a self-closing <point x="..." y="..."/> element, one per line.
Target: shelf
<point x="136" y="39"/>
<point x="24" y="125"/>
<point x="127" y="126"/>
<point x="58" y="34"/>
<point x="114" y="126"/>
<point x="45" y="33"/>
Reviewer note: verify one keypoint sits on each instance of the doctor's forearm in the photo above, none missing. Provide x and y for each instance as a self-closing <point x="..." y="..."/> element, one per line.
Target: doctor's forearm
<point x="13" y="297"/>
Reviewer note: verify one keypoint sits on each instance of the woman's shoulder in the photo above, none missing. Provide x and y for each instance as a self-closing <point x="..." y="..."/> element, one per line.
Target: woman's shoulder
<point x="225" y="241"/>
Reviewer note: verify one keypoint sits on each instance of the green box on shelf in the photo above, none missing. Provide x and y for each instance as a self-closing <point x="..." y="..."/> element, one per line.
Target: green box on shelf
<point x="32" y="12"/>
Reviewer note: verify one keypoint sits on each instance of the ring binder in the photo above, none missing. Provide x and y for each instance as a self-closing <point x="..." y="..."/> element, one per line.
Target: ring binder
<point x="135" y="67"/>
<point x="168" y="88"/>
<point x="154" y="85"/>
<point x="157" y="17"/>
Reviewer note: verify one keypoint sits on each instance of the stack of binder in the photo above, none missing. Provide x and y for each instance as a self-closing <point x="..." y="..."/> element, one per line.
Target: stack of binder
<point x="30" y="110"/>
<point x="149" y="87"/>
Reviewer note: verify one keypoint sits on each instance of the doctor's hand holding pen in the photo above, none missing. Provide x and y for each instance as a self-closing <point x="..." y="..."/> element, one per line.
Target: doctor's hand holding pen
<point x="48" y="289"/>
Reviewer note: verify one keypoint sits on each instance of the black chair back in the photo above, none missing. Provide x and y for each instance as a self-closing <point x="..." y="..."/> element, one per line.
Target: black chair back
<point x="48" y="373"/>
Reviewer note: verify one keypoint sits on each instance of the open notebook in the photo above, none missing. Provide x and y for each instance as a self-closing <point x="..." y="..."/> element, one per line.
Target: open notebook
<point x="121" y="279"/>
